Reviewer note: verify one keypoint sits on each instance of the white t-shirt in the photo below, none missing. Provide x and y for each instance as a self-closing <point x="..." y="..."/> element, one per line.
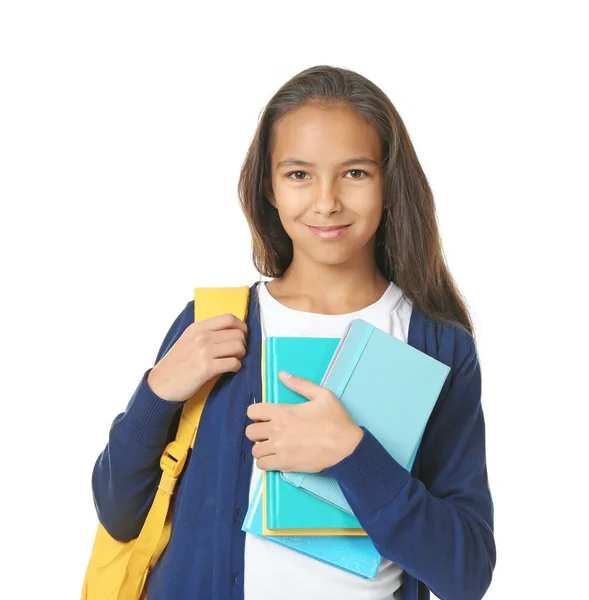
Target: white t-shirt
<point x="273" y="571"/>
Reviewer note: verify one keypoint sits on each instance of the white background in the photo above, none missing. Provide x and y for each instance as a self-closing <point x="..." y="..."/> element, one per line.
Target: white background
<point x="123" y="126"/>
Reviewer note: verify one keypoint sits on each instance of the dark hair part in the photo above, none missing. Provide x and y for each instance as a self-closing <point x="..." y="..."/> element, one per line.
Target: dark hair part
<point x="408" y="246"/>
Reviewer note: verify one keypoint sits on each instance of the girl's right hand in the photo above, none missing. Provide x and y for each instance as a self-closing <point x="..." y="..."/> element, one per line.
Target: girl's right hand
<point x="205" y="349"/>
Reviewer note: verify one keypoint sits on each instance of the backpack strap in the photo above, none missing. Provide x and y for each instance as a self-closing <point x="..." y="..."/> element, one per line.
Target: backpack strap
<point x="210" y="302"/>
<point x="156" y="531"/>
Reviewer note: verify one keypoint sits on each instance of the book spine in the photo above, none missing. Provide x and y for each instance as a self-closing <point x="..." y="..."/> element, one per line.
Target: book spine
<point x="353" y="362"/>
<point x="338" y="387"/>
<point x="270" y="377"/>
<point x="337" y="350"/>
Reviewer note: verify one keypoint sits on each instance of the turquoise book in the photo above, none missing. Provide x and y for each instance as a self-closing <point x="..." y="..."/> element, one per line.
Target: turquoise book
<point x="386" y="385"/>
<point x="354" y="554"/>
<point x="286" y="506"/>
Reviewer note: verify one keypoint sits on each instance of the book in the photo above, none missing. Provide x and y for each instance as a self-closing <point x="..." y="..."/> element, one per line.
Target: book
<point x="354" y="554"/>
<point x="386" y="385"/>
<point x="287" y="510"/>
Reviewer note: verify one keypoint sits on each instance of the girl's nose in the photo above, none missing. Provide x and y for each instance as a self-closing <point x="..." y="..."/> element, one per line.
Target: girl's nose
<point x="326" y="203"/>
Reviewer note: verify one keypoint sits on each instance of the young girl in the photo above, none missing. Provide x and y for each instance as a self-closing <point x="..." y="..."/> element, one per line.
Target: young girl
<point x="343" y="222"/>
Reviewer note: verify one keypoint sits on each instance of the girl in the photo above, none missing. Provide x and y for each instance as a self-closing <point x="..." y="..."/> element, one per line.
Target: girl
<point x="343" y="222"/>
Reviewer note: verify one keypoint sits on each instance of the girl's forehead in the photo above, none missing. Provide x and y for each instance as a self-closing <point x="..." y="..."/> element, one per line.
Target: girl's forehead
<point x="310" y="136"/>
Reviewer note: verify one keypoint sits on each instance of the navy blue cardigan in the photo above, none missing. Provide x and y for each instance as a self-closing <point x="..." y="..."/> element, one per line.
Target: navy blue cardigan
<point x="435" y="522"/>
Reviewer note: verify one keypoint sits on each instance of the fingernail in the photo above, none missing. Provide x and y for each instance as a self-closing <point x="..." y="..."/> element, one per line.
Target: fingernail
<point x="285" y="375"/>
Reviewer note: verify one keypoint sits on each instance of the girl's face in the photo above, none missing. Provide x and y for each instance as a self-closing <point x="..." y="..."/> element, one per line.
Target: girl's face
<point x="326" y="171"/>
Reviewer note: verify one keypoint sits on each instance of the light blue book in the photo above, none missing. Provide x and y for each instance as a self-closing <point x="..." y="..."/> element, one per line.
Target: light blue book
<point x="354" y="554"/>
<point x="288" y="508"/>
<point x="386" y="385"/>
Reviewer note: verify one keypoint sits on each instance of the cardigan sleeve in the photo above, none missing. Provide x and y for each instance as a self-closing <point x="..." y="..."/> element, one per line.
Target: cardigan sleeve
<point x="439" y="527"/>
<point x="126" y="474"/>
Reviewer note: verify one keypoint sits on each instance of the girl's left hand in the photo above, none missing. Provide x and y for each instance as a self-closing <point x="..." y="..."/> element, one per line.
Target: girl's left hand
<point x="307" y="437"/>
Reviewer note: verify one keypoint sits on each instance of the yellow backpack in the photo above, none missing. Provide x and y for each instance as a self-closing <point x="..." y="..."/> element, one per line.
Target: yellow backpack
<point x="119" y="570"/>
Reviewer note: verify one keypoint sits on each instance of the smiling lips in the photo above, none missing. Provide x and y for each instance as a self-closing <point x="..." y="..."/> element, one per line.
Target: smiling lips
<point x="329" y="233"/>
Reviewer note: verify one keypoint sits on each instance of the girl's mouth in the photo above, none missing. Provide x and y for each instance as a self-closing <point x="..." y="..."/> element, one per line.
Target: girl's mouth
<point x="329" y="233"/>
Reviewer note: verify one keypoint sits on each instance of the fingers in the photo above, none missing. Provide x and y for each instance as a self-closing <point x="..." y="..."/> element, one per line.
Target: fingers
<point x="234" y="348"/>
<point x="269" y="463"/>
<point x="224" y="321"/>
<point x="258" y="432"/>
<point x="225" y="365"/>
<point x="301" y="386"/>
<point x="226" y="335"/>
<point x="264" y="411"/>
<point x="263" y="449"/>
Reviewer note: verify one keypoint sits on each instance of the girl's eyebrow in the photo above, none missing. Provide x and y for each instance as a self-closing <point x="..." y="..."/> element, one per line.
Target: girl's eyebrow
<point x="291" y="162"/>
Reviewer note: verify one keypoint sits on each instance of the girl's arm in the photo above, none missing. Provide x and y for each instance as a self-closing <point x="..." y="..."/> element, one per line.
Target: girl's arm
<point x="438" y="528"/>
<point x="127" y="472"/>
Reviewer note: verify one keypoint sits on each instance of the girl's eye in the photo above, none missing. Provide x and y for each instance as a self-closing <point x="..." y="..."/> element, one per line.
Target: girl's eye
<point x="293" y="173"/>
<point x="358" y="171"/>
<point x="350" y="171"/>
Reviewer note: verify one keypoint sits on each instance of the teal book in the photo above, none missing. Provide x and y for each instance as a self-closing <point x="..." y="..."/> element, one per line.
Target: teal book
<point x="386" y="385"/>
<point x="287" y="507"/>
<point x="354" y="554"/>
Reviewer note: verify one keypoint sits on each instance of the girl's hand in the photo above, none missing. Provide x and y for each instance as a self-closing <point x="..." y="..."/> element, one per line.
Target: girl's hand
<point x="205" y="349"/>
<point x="306" y="437"/>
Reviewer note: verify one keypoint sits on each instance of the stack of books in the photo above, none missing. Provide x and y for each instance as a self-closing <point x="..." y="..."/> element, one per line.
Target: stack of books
<point x="387" y="386"/>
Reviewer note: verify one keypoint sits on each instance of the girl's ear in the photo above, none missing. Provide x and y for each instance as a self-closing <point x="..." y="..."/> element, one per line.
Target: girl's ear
<point x="269" y="194"/>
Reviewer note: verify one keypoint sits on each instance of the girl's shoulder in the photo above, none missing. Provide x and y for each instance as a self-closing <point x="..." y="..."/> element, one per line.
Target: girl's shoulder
<point x="449" y="342"/>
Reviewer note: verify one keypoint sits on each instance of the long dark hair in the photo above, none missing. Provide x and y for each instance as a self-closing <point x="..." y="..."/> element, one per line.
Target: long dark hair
<point x="408" y="247"/>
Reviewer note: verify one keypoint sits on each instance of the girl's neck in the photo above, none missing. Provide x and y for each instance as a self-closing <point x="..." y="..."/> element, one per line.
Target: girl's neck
<point x="333" y="294"/>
